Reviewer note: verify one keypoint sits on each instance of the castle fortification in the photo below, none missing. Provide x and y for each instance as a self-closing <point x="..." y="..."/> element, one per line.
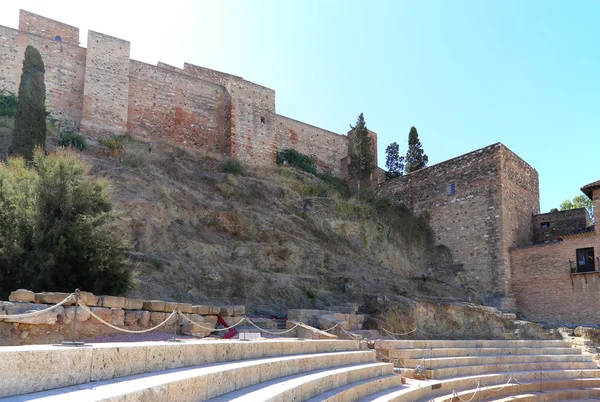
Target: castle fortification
<point x="102" y="92"/>
<point x="480" y="205"/>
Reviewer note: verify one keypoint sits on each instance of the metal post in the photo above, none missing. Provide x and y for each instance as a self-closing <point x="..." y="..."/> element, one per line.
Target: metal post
<point x="174" y="338"/>
<point x="73" y="342"/>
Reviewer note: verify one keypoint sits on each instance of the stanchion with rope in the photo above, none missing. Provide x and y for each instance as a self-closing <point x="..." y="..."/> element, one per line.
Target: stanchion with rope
<point x="73" y="342"/>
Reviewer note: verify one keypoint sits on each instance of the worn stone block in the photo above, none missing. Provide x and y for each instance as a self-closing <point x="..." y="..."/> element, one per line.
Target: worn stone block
<point x="21" y="295"/>
<point x="239" y="310"/>
<point x="154" y="305"/>
<point x="156" y="318"/>
<point x="131" y="318"/>
<point x="69" y="314"/>
<point x="117" y="317"/>
<point x="210" y="318"/>
<point x="197" y="330"/>
<point x="112" y="301"/>
<point x="53" y="297"/>
<point x="183" y="307"/>
<point x="214" y="310"/>
<point x="46" y="318"/>
<point x="103" y="313"/>
<point x="144" y="318"/>
<point x="134" y="304"/>
<point x="232" y="320"/>
<point x="89" y="299"/>
<point x="200" y="309"/>
<point x="226" y="311"/>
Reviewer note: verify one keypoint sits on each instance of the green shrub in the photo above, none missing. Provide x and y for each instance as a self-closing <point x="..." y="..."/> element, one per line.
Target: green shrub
<point x="295" y="158"/>
<point x="70" y="138"/>
<point x="336" y="183"/>
<point x="57" y="228"/>
<point x="8" y="104"/>
<point x="133" y="160"/>
<point x="115" y="144"/>
<point x="233" y="166"/>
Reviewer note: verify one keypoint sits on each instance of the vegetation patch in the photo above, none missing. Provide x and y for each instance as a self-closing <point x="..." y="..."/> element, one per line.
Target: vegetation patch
<point x="233" y="166"/>
<point x="296" y="159"/>
<point x="72" y="139"/>
<point x="8" y="104"/>
<point x="57" y="228"/>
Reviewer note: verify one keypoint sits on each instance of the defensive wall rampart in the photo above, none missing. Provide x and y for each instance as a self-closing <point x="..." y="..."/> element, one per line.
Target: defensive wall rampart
<point x="478" y="205"/>
<point x="102" y="92"/>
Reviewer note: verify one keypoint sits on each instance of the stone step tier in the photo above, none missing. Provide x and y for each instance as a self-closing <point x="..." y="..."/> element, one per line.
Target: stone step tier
<point x="541" y="370"/>
<point x="199" y="370"/>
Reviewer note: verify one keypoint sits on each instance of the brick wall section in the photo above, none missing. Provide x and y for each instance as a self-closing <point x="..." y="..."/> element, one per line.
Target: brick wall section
<point x="252" y="123"/>
<point x="561" y="223"/>
<point x="47" y="28"/>
<point x="520" y="202"/>
<point x="89" y="89"/>
<point x="166" y="103"/>
<point x="65" y="69"/>
<point x="473" y="222"/>
<point x="325" y="147"/>
<point x="106" y="89"/>
<point x="468" y="222"/>
<point x="544" y="288"/>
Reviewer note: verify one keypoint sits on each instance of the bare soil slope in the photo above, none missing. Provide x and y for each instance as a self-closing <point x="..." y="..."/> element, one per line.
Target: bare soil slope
<point x="272" y="238"/>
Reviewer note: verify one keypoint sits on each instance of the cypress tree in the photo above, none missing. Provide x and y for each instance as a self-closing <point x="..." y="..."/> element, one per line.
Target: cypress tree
<point x="393" y="161"/>
<point x="415" y="157"/>
<point x="361" y="162"/>
<point x="30" y="120"/>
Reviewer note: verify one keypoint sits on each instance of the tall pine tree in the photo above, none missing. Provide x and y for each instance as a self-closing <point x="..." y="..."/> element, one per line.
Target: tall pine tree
<point x="393" y="161"/>
<point x="30" y="120"/>
<point x="362" y="158"/>
<point x="415" y="157"/>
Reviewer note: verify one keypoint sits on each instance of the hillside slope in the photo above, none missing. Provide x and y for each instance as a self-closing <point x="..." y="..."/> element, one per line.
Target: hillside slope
<point x="202" y="236"/>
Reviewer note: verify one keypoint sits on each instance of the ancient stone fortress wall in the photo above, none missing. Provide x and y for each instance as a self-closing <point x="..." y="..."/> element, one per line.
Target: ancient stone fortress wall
<point x="549" y="226"/>
<point x="65" y="65"/>
<point x="164" y="100"/>
<point x="464" y="199"/>
<point x="129" y="314"/>
<point x="520" y="202"/>
<point x="47" y="28"/>
<point x="545" y="289"/>
<point x="106" y="87"/>
<point x="100" y="91"/>
<point x="325" y="147"/>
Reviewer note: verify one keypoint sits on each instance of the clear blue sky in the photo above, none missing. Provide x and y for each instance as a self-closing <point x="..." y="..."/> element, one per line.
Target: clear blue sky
<point x="465" y="73"/>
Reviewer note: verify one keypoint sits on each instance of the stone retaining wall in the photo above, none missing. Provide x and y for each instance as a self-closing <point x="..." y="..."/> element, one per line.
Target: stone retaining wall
<point x="130" y="314"/>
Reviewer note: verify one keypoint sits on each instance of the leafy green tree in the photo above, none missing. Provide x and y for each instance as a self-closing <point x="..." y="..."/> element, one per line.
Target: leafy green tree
<point x="8" y="104"/>
<point x="579" y="201"/>
<point x="30" y="119"/>
<point x="57" y="228"/>
<point x="415" y="157"/>
<point x="393" y="161"/>
<point x="362" y="157"/>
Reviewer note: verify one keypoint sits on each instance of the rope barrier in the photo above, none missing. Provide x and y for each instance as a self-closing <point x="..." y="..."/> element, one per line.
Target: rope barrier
<point x="455" y="394"/>
<point x="330" y="329"/>
<point x="208" y="328"/>
<point x="273" y="333"/>
<point x="86" y="308"/>
<point x="38" y="312"/>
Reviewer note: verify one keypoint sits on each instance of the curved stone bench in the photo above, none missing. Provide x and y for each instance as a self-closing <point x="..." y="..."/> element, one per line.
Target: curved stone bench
<point x="357" y="390"/>
<point x="208" y="381"/>
<point x="307" y="385"/>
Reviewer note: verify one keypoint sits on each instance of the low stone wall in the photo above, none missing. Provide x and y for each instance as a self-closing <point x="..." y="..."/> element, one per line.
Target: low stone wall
<point x="129" y="314"/>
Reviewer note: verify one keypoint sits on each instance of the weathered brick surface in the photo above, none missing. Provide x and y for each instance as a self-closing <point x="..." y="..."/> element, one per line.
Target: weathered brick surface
<point x="65" y="69"/>
<point x="42" y="26"/>
<point x="496" y="195"/>
<point x="166" y="103"/>
<point x="544" y="288"/>
<point x="100" y="91"/>
<point x="325" y="147"/>
<point x="106" y="87"/>
<point x="560" y="223"/>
